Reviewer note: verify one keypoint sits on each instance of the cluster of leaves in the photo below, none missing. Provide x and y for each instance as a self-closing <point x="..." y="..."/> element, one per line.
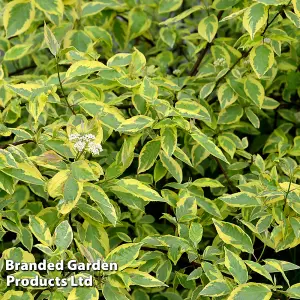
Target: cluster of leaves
<point x="190" y="184"/>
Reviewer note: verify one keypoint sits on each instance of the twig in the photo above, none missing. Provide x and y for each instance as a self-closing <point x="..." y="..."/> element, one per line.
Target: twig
<point x="62" y="90"/>
<point x="17" y="143"/>
<point x="17" y="72"/>
<point x="203" y="53"/>
<point x="231" y="186"/>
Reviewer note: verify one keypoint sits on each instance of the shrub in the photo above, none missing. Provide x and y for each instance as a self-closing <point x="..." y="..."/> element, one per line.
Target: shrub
<point x="159" y="135"/>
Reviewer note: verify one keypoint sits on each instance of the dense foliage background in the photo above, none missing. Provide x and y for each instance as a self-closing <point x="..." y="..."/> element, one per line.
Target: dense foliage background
<point x="161" y="135"/>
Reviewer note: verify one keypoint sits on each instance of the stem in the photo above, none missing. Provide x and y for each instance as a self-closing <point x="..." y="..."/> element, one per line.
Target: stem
<point x="203" y="53"/>
<point x="262" y="253"/>
<point x="231" y="186"/>
<point x="17" y="143"/>
<point x="61" y="87"/>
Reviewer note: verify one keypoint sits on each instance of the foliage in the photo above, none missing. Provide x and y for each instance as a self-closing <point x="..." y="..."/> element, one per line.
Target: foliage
<point x="161" y="135"/>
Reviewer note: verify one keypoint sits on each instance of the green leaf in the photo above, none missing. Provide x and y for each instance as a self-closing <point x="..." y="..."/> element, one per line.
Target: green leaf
<point x="208" y="27"/>
<point x="241" y="199"/>
<point x="227" y="144"/>
<point x="186" y="208"/>
<point x="255" y="18"/>
<point x="113" y="293"/>
<point x="251" y="290"/>
<point x="233" y="235"/>
<point x="293" y="18"/>
<point x="261" y="59"/>
<point x="252" y="117"/>
<point x="18" y="16"/>
<point x="236" y="267"/>
<point x="63" y="235"/>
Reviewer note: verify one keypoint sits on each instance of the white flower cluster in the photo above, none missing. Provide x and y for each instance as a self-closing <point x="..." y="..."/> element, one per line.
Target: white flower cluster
<point x="220" y="62"/>
<point x="81" y="141"/>
<point x="267" y="40"/>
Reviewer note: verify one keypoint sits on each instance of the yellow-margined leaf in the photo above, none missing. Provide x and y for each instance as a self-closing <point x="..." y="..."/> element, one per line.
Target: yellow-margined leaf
<point x="195" y="233"/>
<point x="208" y="27"/>
<point x="227" y="144"/>
<point x="256" y="267"/>
<point x="166" y="6"/>
<point x="101" y="199"/>
<point x="56" y="183"/>
<point x="168" y="139"/>
<point x="18" y="16"/>
<point x="139" y="189"/>
<point x="148" y="90"/>
<point x="40" y="230"/>
<point x="293" y="18"/>
<point x="72" y="191"/>
<point x="255" y="91"/>
<point x="124" y="255"/>
<point x="216" y="288"/>
<point x="135" y="124"/>
<point x="236" y="267"/>
<point x="148" y="155"/>
<point x="226" y="95"/>
<point x="17" y="295"/>
<point x="294" y="291"/>
<point x="84" y="293"/>
<point x="241" y="199"/>
<point x="209" y="206"/>
<point x="63" y="235"/>
<point x="192" y="109"/>
<point x="252" y="117"/>
<point x="207" y="182"/>
<point x="138" y="23"/>
<point x="233" y="235"/>
<point x="206" y="143"/>
<point x="255" y="17"/>
<point x="211" y="271"/>
<point x="53" y="7"/>
<point x="251" y="290"/>
<point x="51" y="41"/>
<point x="261" y="59"/>
<point x="17" y="51"/>
<point x="143" y="279"/>
<point x="224" y="4"/>
<point x="85" y="67"/>
<point x="296" y="4"/>
<point x="231" y="114"/>
<point x="25" y="172"/>
<point x="186" y="207"/>
<point x="171" y="165"/>
<point x="108" y="115"/>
